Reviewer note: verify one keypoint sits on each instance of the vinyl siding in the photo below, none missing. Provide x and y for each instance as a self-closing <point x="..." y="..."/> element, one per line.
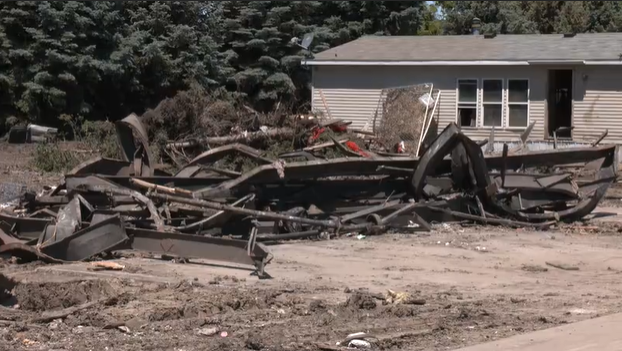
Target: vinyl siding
<point x="598" y="103"/>
<point x="352" y="93"/>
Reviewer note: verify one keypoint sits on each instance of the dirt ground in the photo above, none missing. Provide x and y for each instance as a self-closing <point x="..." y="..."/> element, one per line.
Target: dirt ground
<point x="468" y="285"/>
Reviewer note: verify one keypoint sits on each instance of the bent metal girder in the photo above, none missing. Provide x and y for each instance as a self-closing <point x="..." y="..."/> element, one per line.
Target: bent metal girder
<point x="196" y="246"/>
<point x="451" y="140"/>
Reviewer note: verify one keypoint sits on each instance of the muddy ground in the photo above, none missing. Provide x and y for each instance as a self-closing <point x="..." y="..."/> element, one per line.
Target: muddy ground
<point x="468" y="285"/>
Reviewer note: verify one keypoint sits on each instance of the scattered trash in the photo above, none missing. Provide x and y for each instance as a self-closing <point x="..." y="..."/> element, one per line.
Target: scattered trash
<point x="28" y="342"/>
<point x="405" y="298"/>
<point x="534" y="268"/>
<point x="208" y="331"/>
<point x="106" y="265"/>
<point x="581" y="311"/>
<point x="55" y="324"/>
<point x="359" y="344"/>
<point x="563" y="266"/>
<point x="357" y="341"/>
<point x="31" y="133"/>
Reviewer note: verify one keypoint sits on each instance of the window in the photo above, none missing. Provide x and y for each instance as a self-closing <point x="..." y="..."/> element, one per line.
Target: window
<point x="492" y="102"/>
<point x="467" y="102"/>
<point x="518" y="103"/>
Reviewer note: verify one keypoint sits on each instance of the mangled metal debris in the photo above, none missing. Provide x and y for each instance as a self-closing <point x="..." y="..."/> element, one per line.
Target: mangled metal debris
<point x="207" y="211"/>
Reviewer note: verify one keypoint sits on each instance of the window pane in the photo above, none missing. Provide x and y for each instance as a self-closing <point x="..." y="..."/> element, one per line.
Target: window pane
<point x="518" y="90"/>
<point x="467" y="90"/>
<point x="492" y="115"/>
<point x="467" y="116"/>
<point x="493" y="90"/>
<point x="517" y="116"/>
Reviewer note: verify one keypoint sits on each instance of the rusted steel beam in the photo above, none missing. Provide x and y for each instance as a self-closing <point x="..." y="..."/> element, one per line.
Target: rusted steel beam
<point x="369" y="210"/>
<point x="549" y="158"/>
<point x="606" y="177"/>
<point x="26" y="228"/>
<point x="549" y="181"/>
<point x="505" y="164"/>
<point x="486" y="220"/>
<point x="195" y="246"/>
<point x="106" y="235"/>
<point x="8" y="239"/>
<point x="305" y="170"/>
<point x="214" y="219"/>
<point x="290" y="236"/>
<point x="441" y="146"/>
<point x="459" y="166"/>
<point x="101" y="165"/>
<point x="100" y="185"/>
<point x="478" y="169"/>
<point x="96" y="184"/>
<point x="27" y="253"/>
<point x="188" y="183"/>
<point x="216" y="154"/>
<point x="386" y="220"/>
<point x="130" y="130"/>
<point x="299" y="154"/>
<point x="601" y="137"/>
<point x="525" y="135"/>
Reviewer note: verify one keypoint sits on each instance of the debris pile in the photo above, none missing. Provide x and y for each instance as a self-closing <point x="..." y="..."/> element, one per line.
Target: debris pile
<point x="205" y="211"/>
<point x="405" y="116"/>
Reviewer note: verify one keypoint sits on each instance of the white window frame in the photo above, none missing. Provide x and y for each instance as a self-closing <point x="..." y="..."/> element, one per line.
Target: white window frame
<point x="476" y="103"/>
<point x="508" y="103"/>
<point x="500" y="103"/>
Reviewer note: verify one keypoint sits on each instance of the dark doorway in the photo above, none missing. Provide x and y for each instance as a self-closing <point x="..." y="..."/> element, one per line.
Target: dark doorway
<point x="560" y="103"/>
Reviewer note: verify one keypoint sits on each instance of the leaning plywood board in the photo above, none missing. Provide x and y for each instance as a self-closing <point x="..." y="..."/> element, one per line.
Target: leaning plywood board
<point x="598" y="334"/>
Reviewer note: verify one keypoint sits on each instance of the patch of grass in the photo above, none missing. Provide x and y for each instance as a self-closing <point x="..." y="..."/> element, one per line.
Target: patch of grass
<point x="96" y="138"/>
<point x="100" y="136"/>
<point x="50" y="157"/>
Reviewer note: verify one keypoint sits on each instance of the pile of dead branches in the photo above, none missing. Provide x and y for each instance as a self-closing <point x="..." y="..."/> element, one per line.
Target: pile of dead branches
<point x="402" y="116"/>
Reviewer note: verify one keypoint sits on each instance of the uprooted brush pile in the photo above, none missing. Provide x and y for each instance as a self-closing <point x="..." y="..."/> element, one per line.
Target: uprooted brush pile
<point x="210" y="210"/>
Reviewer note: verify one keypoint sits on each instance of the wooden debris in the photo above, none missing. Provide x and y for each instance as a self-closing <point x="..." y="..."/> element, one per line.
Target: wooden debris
<point x="105" y="265"/>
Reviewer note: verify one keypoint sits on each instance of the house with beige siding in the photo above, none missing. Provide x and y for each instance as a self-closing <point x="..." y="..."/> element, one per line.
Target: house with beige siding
<point x="502" y="81"/>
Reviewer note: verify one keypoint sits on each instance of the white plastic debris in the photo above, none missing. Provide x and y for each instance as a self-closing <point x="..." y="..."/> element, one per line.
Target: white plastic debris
<point x="279" y="166"/>
<point x="412" y="224"/>
<point x="426" y="100"/>
<point x="207" y="331"/>
<point x="356" y="340"/>
<point x="359" y="344"/>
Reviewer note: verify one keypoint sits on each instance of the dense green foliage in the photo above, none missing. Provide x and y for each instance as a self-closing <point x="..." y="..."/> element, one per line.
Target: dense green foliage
<point x="104" y="59"/>
<point x="528" y="17"/>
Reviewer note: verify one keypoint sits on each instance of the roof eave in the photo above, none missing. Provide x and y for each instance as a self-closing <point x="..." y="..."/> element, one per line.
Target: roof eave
<point x="411" y="63"/>
<point x="316" y="62"/>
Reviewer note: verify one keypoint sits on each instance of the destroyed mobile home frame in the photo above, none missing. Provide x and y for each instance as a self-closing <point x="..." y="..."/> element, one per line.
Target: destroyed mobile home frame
<point x="205" y="212"/>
